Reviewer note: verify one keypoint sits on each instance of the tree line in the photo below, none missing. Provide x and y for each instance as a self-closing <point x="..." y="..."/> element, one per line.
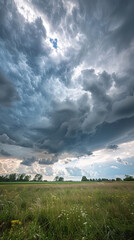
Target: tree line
<point x="14" y="177"/>
<point x="127" y="178"/>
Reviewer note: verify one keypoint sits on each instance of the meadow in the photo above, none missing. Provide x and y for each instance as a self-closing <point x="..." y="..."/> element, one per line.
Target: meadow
<point x="82" y="211"/>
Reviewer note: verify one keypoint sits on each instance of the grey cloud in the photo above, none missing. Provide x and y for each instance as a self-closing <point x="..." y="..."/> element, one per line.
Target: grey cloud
<point x="48" y="160"/>
<point x="53" y="12"/>
<point x="28" y="38"/>
<point x="43" y="121"/>
<point x="29" y="161"/>
<point x="67" y="161"/>
<point x="122" y="109"/>
<point x="97" y="85"/>
<point x="113" y="147"/>
<point x="5" y="153"/>
<point x="121" y="161"/>
<point x="123" y="35"/>
<point x="8" y="93"/>
<point x="5" y="139"/>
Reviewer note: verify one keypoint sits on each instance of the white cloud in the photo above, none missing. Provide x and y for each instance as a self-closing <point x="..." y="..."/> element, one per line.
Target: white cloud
<point x="114" y="167"/>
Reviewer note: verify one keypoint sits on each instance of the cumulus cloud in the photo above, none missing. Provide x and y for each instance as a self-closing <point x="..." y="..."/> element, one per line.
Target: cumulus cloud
<point x="75" y="171"/>
<point x="49" y="171"/>
<point x="115" y="167"/>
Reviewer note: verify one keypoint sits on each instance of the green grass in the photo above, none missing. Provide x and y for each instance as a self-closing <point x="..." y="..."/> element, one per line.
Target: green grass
<point x="97" y="211"/>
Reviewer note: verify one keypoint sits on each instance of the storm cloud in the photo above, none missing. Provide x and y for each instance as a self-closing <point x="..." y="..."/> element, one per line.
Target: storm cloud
<point x="8" y="93"/>
<point x="66" y="77"/>
<point x="4" y="153"/>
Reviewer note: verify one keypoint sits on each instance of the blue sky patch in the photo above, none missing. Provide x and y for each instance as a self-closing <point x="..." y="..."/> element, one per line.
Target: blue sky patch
<point x="54" y="42"/>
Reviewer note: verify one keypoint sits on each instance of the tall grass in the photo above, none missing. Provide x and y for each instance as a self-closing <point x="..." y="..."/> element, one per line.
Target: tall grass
<point x="67" y="211"/>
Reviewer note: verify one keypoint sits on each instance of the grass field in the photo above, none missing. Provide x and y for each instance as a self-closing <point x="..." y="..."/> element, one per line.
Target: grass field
<point x="94" y="211"/>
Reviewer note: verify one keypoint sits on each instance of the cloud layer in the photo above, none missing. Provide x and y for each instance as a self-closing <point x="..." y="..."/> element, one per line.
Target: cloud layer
<point x="66" y="77"/>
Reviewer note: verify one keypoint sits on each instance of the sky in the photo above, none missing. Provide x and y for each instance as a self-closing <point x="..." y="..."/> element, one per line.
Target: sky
<point x="67" y="88"/>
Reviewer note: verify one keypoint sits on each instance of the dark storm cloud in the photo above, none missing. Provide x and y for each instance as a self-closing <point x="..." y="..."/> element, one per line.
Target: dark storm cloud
<point x="48" y="161"/>
<point x="44" y="120"/>
<point x="21" y="35"/>
<point x="122" y="109"/>
<point x="8" y="93"/>
<point x="28" y="161"/>
<point x="4" y="153"/>
<point x="113" y="147"/>
<point x="6" y="140"/>
<point x="123" y="34"/>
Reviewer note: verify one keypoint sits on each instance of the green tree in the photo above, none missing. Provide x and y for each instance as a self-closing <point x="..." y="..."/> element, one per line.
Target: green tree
<point x="118" y="179"/>
<point x="84" y="178"/>
<point x="38" y="177"/>
<point x="27" y="178"/>
<point x="12" y="177"/>
<point x="128" y="178"/>
<point x="56" y="178"/>
<point x="20" y="177"/>
<point x="61" y="179"/>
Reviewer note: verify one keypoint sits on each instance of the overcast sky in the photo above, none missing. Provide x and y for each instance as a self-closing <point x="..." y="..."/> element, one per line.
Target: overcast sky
<point x="67" y="88"/>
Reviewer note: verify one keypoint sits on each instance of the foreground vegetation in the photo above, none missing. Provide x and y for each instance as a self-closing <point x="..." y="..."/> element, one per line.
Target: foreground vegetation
<point x="95" y="211"/>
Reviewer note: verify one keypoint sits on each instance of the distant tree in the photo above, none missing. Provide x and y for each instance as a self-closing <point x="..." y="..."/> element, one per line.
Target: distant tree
<point x="12" y="177"/>
<point x="118" y="179"/>
<point x="56" y="178"/>
<point x="20" y="177"/>
<point x="105" y="179"/>
<point x="38" y="177"/>
<point x="128" y="178"/>
<point x="27" y="178"/>
<point x="84" y="178"/>
<point x="4" y="178"/>
<point x="61" y="179"/>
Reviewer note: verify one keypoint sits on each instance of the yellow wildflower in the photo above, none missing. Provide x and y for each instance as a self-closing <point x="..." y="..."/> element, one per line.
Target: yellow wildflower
<point x="13" y="222"/>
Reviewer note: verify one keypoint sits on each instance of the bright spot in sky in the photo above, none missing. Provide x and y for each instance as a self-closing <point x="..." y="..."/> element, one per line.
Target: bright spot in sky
<point x="54" y="42"/>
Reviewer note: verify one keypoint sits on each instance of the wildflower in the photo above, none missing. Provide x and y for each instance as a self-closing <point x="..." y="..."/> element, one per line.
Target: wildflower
<point x="15" y="222"/>
<point x="83" y="215"/>
<point x="85" y="223"/>
<point x="60" y="216"/>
